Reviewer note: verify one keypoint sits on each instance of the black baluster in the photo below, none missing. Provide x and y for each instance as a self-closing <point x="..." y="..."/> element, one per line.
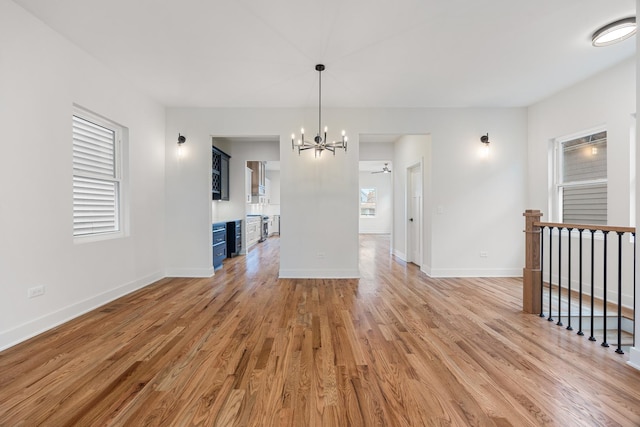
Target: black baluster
<point x="592" y="338"/>
<point x="541" y="270"/>
<point x="619" y="349"/>
<point x="569" y="328"/>
<point x="550" y="319"/>
<point x="604" y="343"/>
<point x="580" y="230"/>
<point x="559" y="322"/>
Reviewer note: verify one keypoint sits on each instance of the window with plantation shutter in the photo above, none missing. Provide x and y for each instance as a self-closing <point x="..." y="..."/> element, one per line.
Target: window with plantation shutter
<point x="96" y="176"/>
<point x="582" y="179"/>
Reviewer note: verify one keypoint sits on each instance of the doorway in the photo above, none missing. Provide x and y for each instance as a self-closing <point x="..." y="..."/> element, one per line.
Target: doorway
<point x="414" y="214"/>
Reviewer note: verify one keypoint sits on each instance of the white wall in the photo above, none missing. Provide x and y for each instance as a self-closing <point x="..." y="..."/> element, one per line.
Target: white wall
<point x="382" y="221"/>
<point x="482" y="200"/>
<point x="273" y="208"/>
<point x="376" y="151"/>
<point x="470" y="204"/>
<point x="409" y="151"/>
<point x="607" y="99"/>
<point x="634" y="356"/>
<point x="42" y="76"/>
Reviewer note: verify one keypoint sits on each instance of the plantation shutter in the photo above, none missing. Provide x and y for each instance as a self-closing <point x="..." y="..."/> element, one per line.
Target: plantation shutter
<point x="95" y="180"/>
<point x="584" y="180"/>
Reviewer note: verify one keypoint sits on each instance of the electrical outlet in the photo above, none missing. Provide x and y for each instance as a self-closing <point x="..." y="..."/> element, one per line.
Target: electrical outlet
<point x="484" y="254"/>
<point x="321" y="255"/>
<point x="36" y="291"/>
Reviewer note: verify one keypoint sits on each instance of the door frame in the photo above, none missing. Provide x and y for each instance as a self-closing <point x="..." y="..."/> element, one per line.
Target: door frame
<point x="408" y="195"/>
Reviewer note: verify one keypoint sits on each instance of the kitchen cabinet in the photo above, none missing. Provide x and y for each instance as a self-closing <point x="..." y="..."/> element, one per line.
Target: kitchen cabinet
<point x="219" y="174"/>
<point x="219" y="243"/>
<point x="267" y="191"/>
<point x="274" y="225"/>
<point x="258" y="180"/>
<point x="247" y="184"/>
<point x="253" y="231"/>
<point x="234" y="237"/>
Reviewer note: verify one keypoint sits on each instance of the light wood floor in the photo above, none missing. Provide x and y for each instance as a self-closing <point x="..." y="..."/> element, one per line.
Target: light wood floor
<point x="394" y="348"/>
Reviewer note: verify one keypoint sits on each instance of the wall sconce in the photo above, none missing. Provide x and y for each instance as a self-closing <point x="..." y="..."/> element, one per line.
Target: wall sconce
<point x="181" y="140"/>
<point x="485" y="145"/>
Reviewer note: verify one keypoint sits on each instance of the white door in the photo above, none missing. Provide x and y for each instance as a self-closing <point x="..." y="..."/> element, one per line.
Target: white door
<point x="414" y="215"/>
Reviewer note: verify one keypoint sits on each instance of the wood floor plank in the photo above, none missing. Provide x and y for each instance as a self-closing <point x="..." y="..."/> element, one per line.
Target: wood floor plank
<point x="245" y="348"/>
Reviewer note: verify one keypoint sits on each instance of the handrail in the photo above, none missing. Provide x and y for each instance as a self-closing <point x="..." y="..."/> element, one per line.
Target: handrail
<point x="534" y="286"/>
<point x="586" y="227"/>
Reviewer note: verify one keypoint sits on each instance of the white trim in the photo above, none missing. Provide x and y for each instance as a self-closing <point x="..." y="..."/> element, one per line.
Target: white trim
<point x="34" y="327"/>
<point x="476" y="272"/>
<point x="119" y="178"/>
<point x="634" y="358"/>
<point x="426" y="270"/>
<point x="589" y="131"/>
<point x="399" y="254"/>
<point x="556" y="185"/>
<point x="190" y="272"/>
<point x="320" y="274"/>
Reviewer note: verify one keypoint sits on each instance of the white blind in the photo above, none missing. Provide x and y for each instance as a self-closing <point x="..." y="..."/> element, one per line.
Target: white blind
<point x="95" y="180"/>
<point x="584" y="180"/>
<point x="93" y="148"/>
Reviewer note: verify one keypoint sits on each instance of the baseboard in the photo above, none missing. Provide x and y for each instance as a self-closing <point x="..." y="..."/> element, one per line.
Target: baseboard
<point x="190" y="272"/>
<point x="426" y="269"/>
<point x="399" y="254"/>
<point x="42" y="324"/>
<point x="634" y="357"/>
<point x="476" y="272"/>
<point x="319" y="274"/>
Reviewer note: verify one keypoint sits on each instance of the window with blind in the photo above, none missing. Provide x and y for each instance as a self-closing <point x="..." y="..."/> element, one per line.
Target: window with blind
<point x="582" y="179"/>
<point x="368" y="202"/>
<point x="96" y="175"/>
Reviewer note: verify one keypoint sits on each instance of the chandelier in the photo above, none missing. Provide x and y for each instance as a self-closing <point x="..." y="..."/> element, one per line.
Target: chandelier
<point x="320" y="142"/>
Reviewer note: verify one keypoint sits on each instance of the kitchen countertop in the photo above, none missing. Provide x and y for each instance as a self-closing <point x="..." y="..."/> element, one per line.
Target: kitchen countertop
<point x="219" y="221"/>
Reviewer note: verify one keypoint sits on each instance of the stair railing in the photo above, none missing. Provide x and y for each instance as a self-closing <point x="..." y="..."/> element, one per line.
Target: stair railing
<point x="539" y="250"/>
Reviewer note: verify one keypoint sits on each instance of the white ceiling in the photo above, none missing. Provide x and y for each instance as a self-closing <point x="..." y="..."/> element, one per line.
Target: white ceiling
<point x="400" y="53"/>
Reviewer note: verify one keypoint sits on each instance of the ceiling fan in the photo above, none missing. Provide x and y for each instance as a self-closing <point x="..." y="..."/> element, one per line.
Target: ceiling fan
<point x="385" y="169"/>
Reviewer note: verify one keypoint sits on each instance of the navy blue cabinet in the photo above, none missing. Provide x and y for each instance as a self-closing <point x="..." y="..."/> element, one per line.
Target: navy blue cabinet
<point x="234" y="237"/>
<point x="219" y="174"/>
<point x="219" y="244"/>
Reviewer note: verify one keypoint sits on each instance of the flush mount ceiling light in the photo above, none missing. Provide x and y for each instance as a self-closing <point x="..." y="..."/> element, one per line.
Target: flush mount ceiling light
<point x="319" y="143"/>
<point x="614" y="32"/>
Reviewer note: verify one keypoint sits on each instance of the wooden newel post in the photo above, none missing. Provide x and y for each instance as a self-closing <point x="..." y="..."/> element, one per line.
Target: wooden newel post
<point x="531" y="272"/>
